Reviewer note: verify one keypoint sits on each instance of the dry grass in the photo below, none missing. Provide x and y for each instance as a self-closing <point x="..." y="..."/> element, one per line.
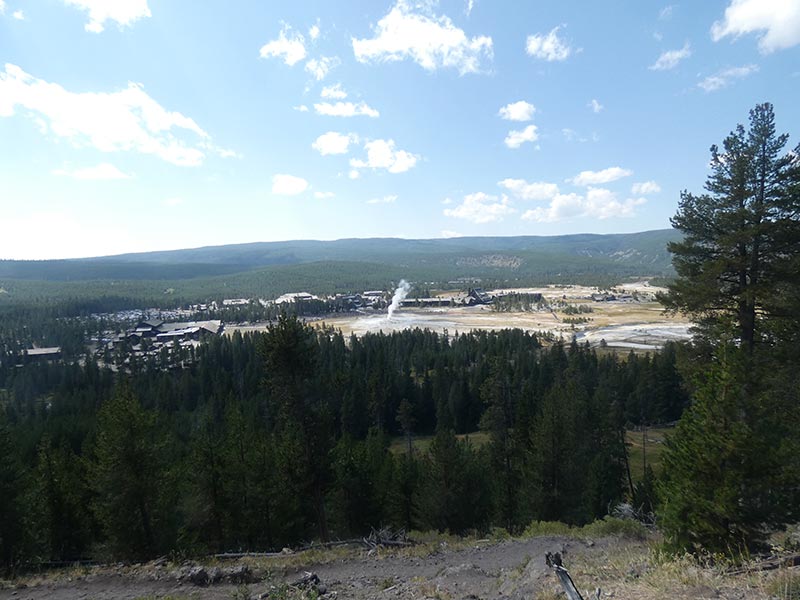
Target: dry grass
<point x="643" y="572"/>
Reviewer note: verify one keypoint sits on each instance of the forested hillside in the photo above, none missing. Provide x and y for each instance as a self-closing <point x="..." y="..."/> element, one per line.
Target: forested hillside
<point x="279" y="438"/>
<point x="270" y="269"/>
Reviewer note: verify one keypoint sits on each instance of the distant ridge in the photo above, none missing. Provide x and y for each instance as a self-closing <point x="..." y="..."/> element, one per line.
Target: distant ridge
<point x="521" y="256"/>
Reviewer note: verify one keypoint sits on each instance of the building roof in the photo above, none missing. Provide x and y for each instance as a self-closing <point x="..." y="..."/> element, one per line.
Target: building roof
<point x="43" y="351"/>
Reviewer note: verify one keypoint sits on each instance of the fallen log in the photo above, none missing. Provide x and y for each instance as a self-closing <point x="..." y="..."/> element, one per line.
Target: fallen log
<point x="554" y="562"/>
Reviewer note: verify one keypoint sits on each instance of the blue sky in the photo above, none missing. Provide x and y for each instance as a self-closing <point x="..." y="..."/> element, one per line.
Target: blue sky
<point x="139" y="125"/>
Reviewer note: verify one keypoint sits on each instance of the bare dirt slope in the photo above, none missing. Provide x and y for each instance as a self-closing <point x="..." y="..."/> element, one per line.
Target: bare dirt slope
<point x="477" y="569"/>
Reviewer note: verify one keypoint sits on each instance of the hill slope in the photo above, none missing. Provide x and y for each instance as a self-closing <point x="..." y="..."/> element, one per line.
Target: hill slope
<point x="495" y="257"/>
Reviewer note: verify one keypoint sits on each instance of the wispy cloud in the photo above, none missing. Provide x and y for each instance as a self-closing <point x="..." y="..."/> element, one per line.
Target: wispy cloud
<point x="410" y="31"/>
<point x="320" y="67"/>
<point x="122" y="13"/>
<point x="126" y="120"/>
<point x="597" y="203"/>
<point x="645" y="187"/>
<point x="481" y="208"/>
<point x="586" y="178"/>
<point x="515" y="139"/>
<point x="724" y="78"/>
<point x="595" y="106"/>
<point x="334" y="92"/>
<point x="289" y="46"/>
<point x="549" y="47"/>
<point x="538" y="190"/>
<point x="345" y="109"/>
<point x="670" y="59"/>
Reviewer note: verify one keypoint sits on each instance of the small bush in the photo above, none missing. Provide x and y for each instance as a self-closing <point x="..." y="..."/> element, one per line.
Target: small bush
<point x="540" y="528"/>
<point x="626" y="528"/>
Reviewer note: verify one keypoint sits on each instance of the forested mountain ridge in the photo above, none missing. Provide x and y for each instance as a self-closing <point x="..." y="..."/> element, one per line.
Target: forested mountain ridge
<point x="616" y="254"/>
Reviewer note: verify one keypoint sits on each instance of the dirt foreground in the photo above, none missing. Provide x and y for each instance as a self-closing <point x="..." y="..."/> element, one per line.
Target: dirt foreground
<point x="444" y="570"/>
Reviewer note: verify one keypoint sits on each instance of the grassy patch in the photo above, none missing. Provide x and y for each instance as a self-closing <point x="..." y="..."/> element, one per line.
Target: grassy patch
<point x="421" y="443"/>
<point x="609" y="526"/>
<point x="784" y="585"/>
<point x="654" y="448"/>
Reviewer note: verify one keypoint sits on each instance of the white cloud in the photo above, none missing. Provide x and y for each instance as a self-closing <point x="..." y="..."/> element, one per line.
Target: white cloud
<point x="586" y="178"/>
<point x="384" y="200"/>
<point x="320" y="67"/>
<point x="779" y="20"/>
<point x="333" y="143"/>
<point x="103" y="171"/>
<point x="2" y="7"/>
<point x="548" y="47"/>
<point x="301" y="108"/>
<point x="313" y="31"/>
<point x="645" y="187"/>
<point x="18" y="15"/>
<point x="538" y="190"/>
<point x="124" y="12"/>
<point x="671" y="58"/>
<point x="598" y="203"/>
<point x="430" y="41"/>
<point x="515" y="139"/>
<point x="517" y="111"/>
<point x="381" y="154"/>
<point x="447" y="233"/>
<point x="666" y="13"/>
<point x="595" y="106"/>
<point x="345" y="109"/>
<point x="289" y="46"/>
<point x="334" y="92"/>
<point x="126" y="120"/>
<point x="724" y="78"/>
<point x="353" y="174"/>
<point x="323" y="195"/>
<point x="288" y="185"/>
<point x="481" y="208"/>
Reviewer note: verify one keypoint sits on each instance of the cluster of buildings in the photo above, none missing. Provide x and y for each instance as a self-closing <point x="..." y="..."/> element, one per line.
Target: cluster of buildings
<point x="154" y="337"/>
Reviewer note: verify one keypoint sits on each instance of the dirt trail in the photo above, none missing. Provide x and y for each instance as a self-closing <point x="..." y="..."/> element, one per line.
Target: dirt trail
<point x="477" y="570"/>
<point x="509" y="569"/>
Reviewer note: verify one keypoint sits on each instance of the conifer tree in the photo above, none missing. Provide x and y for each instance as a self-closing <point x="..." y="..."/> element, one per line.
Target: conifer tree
<point x="737" y="261"/>
<point x="725" y="481"/>
<point x="129" y="478"/>
<point x="61" y="493"/>
<point x="11" y="494"/>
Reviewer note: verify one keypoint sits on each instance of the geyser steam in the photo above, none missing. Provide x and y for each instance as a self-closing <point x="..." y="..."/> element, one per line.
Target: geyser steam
<point x="399" y="295"/>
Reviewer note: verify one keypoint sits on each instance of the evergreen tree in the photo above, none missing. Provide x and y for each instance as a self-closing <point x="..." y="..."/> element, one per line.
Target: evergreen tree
<point x="737" y="261"/>
<point x="730" y="473"/>
<point x="61" y="491"/>
<point x="128" y="475"/>
<point x="11" y="495"/>
<point x="725" y="480"/>
<point x="304" y="420"/>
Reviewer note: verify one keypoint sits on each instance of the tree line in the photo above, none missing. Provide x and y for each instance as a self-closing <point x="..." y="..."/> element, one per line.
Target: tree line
<point x="279" y="438"/>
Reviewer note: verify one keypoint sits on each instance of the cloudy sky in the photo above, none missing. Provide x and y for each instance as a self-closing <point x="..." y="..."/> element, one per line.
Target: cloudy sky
<point x="132" y="125"/>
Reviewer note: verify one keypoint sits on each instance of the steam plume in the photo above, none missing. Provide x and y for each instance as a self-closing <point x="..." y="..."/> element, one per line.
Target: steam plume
<point x="399" y="295"/>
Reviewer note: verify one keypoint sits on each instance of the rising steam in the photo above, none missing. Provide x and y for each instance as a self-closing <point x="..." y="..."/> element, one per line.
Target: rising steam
<point x="399" y="295"/>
